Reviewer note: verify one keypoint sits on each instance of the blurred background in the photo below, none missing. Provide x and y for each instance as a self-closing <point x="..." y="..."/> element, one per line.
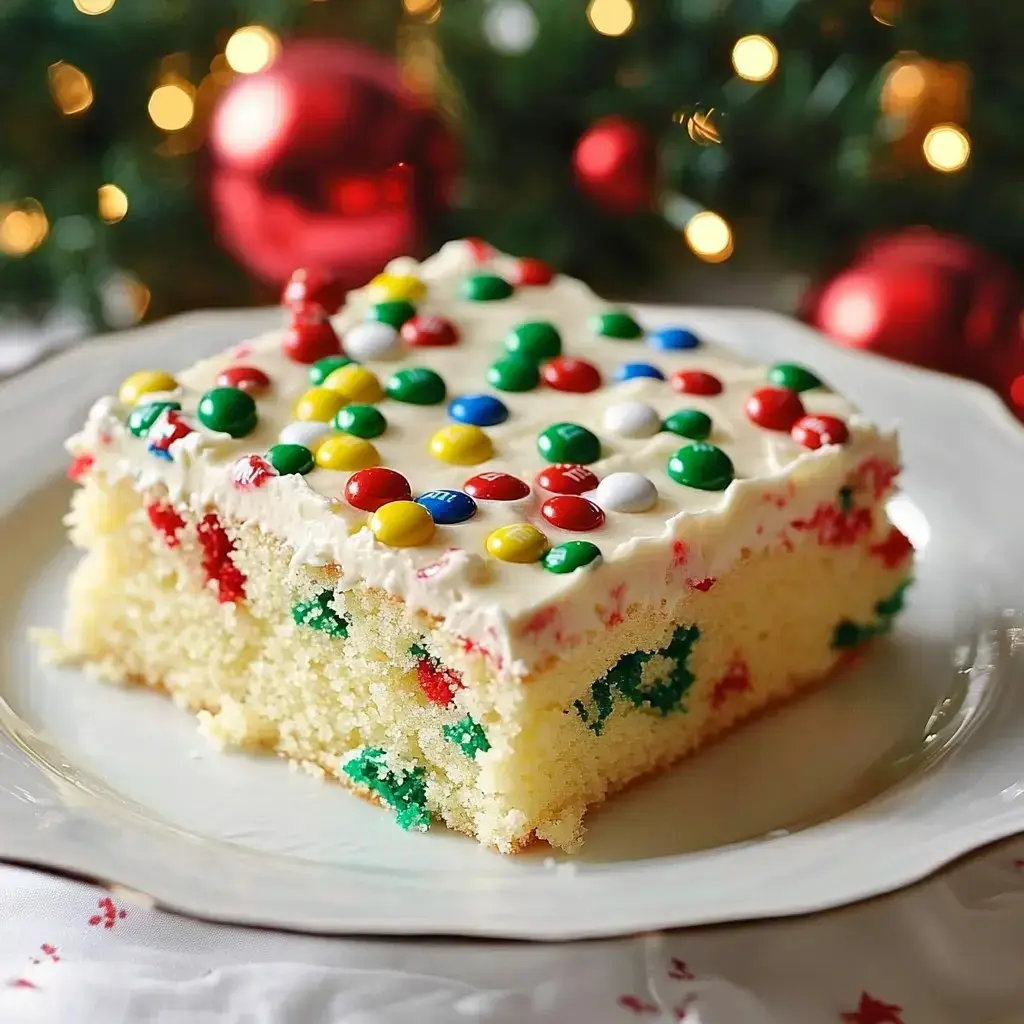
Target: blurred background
<point x="858" y="162"/>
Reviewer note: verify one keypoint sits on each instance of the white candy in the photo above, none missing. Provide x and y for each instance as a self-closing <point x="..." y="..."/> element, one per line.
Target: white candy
<point x="626" y="492"/>
<point x="307" y="434"/>
<point x="632" y="419"/>
<point x="372" y="340"/>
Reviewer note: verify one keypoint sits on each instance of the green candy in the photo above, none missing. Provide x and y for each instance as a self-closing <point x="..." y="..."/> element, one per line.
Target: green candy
<point x="691" y="423"/>
<point x="615" y="324"/>
<point x="703" y="466"/>
<point x="468" y="735"/>
<point x="535" y="339"/>
<point x="403" y="789"/>
<point x="142" y="417"/>
<point x="289" y="459"/>
<point x="319" y="615"/>
<point x="569" y="442"/>
<point x="323" y="368"/>
<point x="570" y="556"/>
<point x="792" y="376"/>
<point x="228" y="411"/>
<point x="393" y="313"/>
<point x="513" y="373"/>
<point x="417" y="386"/>
<point x="486" y="288"/>
<point x="361" y="421"/>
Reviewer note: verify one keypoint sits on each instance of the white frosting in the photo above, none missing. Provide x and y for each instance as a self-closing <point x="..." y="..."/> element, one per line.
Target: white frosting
<point x="519" y="614"/>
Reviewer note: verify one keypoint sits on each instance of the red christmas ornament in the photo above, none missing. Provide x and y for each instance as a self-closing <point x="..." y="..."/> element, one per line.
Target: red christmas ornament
<point x="774" y="408"/>
<point x="566" y="373"/>
<point x="325" y="160"/>
<point x="615" y="165"/>
<point x="310" y="337"/>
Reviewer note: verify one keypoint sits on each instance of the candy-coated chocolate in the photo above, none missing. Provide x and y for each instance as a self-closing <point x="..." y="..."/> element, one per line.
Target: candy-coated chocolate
<point x="627" y="371"/>
<point x="346" y="453"/>
<point x="396" y="288"/>
<point x="570" y="556"/>
<point x="395" y="314"/>
<point x="448" y="507"/>
<point x="673" y="339"/>
<point x="142" y="417"/>
<point x="815" y="431"/>
<point x="228" y="411"/>
<point x="309" y="433"/>
<point x="690" y="423"/>
<point x="323" y="368"/>
<point x="696" y="382"/>
<point x="402" y="524"/>
<point x="355" y="383"/>
<point x="417" y="385"/>
<point x="372" y="339"/>
<point x="310" y="337"/>
<point x="566" y="373"/>
<point x="631" y="419"/>
<point x="534" y="339"/>
<point x="792" y="376"/>
<point x="314" y="286"/>
<point x="518" y="542"/>
<point x="616" y="324"/>
<point x="486" y="288"/>
<point x="319" y="404"/>
<point x="480" y="250"/>
<point x="479" y="410"/>
<point x="368" y="489"/>
<point x="530" y="271"/>
<point x="703" y="466"/>
<point x="290" y="458"/>
<point x="145" y="382"/>
<point x="774" y="408"/>
<point x="514" y="373"/>
<point x="461" y="444"/>
<point x="361" y="420"/>
<point x="626" y="492"/>
<point x="245" y="378"/>
<point x="429" y="332"/>
<point x="567" y="478"/>
<point x="569" y="442"/>
<point x="496" y="487"/>
<point x="572" y="512"/>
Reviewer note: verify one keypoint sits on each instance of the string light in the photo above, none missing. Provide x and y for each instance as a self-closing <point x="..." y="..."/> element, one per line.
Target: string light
<point x="94" y="6"/>
<point x="903" y="87"/>
<point x="611" y="17"/>
<point x="755" y="58"/>
<point x="885" y="12"/>
<point x="23" y="228"/>
<point x="422" y="8"/>
<point x="113" y="203"/>
<point x="947" y="148"/>
<point x="709" y="236"/>
<point x="251" y="49"/>
<point x="70" y="88"/>
<point x="172" y="106"/>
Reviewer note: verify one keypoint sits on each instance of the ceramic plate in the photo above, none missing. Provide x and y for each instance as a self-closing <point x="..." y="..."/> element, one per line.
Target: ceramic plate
<point x="911" y="760"/>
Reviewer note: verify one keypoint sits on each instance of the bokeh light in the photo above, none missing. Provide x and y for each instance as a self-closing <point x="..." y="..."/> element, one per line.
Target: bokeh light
<point x="113" y="203"/>
<point x="418" y="7"/>
<point x="904" y="86"/>
<point x="23" y="227"/>
<point x="94" y="6"/>
<point x="251" y="49"/>
<point x="172" y="106"/>
<point x="709" y="236"/>
<point x="947" y="148"/>
<point x="70" y="88"/>
<point x="611" y="17"/>
<point x="755" y="58"/>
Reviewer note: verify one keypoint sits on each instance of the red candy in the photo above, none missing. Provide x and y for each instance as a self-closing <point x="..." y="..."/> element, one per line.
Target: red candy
<point x="369" y="489"/>
<point x="310" y="337"/>
<point x="571" y="512"/>
<point x="429" y="332"/>
<point x="168" y="428"/>
<point x="217" y="546"/>
<point x="166" y="522"/>
<point x="437" y="682"/>
<point x="774" y="408"/>
<point x="315" y="286"/>
<point x="251" y="472"/>
<point x="567" y="478"/>
<point x="245" y="378"/>
<point x="532" y="271"/>
<point x="496" y="487"/>
<point x="481" y="251"/>
<point x="696" y="382"/>
<point x="564" y="373"/>
<point x="814" y="431"/>
<point x="80" y="466"/>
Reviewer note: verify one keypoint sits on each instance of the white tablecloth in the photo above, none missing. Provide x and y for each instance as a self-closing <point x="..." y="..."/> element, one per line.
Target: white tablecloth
<point x="950" y="951"/>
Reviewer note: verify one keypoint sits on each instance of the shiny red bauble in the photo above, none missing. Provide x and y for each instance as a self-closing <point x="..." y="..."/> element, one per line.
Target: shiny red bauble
<point x="615" y="165"/>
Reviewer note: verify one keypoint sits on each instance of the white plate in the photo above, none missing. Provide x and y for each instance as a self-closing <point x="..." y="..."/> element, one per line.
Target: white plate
<point x="912" y="760"/>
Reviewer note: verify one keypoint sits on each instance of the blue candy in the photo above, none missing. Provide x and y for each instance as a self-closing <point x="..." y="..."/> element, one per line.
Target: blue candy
<point x="448" y="507"/>
<point x="671" y="338"/>
<point x="629" y="370"/>
<point x="478" y="410"/>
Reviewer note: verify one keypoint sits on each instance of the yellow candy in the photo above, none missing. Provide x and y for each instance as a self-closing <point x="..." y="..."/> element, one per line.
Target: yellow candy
<point x="355" y="384"/>
<point x="145" y="382"/>
<point x="402" y="524"/>
<point x="461" y="445"/>
<point x="397" y="288"/>
<point x="319" y="405"/>
<point x="519" y="542"/>
<point x="344" y="451"/>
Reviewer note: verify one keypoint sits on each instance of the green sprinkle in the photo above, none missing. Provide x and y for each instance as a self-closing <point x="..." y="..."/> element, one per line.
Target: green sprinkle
<point x="403" y="790"/>
<point x="318" y="614"/>
<point x="468" y="736"/>
<point x="847" y="634"/>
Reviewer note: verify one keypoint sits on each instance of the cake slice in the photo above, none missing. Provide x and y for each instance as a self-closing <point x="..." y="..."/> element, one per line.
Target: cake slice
<point x="478" y="545"/>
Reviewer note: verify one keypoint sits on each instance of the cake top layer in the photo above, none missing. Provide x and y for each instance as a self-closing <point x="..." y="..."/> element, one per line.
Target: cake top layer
<point x="501" y="440"/>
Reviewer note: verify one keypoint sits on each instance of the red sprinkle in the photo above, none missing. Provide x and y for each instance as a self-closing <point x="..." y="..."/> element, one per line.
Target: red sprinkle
<point x="369" y="489"/>
<point x="814" y="431"/>
<point x="310" y="337"/>
<point x="893" y="550"/>
<point x="703" y="585"/>
<point x="427" y="331"/>
<point x="80" y="466"/>
<point x="736" y="680"/>
<point x="696" y="382"/>
<point x="566" y="373"/>
<point x="314" y="285"/>
<point x="835" y="527"/>
<point x="251" y="472"/>
<point x="166" y="521"/>
<point x="496" y="487"/>
<point x="774" y="408"/>
<point x="567" y="478"/>
<point x="530" y="271"/>
<point x="217" y="547"/>
<point x="437" y="682"/>
<point x="245" y="378"/>
<point x="571" y="512"/>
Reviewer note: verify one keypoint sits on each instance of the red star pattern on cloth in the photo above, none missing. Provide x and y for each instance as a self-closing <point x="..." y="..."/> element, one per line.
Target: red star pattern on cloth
<point x="109" y="915"/>
<point x="874" y="1011"/>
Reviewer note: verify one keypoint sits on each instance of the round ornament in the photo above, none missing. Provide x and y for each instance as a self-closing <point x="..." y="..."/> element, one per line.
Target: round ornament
<point x="615" y="165"/>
